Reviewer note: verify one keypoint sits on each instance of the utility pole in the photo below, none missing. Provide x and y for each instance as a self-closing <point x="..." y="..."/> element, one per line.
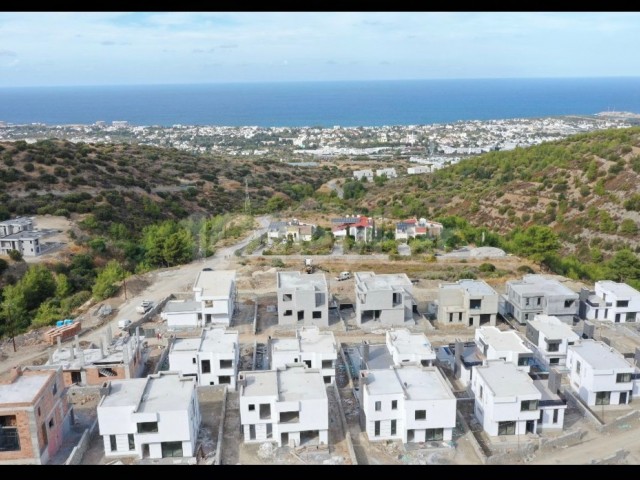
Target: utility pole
<point x="13" y="328"/>
<point x="124" y="283"/>
<point x="247" y="199"/>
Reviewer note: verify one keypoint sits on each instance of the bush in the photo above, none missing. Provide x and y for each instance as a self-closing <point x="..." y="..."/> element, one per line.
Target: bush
<point x="525" y="269"/>
<point x="277" y="262"/>
<point x="487" y="267"/>
<point x="15" y="255"/>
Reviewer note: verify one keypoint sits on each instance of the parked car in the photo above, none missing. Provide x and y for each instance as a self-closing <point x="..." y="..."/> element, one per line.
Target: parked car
<point x="144" y="306"/>
<point x="124" y="323"/>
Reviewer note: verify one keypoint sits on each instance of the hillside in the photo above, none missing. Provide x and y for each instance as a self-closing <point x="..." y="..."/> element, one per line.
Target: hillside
<point x="138" y="184"/>
<point x="586" y="188"/>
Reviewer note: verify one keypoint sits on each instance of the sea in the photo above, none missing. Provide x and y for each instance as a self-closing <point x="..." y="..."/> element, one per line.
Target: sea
<point x="321" y="104"/>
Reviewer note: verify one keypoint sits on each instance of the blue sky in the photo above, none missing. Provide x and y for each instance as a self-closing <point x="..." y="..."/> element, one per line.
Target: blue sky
<point x="94" y="48"/>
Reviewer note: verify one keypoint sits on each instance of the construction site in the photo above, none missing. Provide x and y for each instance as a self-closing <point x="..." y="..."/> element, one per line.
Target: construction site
<point x="95" y="341"/>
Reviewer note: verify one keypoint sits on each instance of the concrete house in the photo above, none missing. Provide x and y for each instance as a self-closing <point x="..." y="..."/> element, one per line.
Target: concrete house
<point x="610" y="301"/>
<point x="600" y="375"/>
<point x="303" y="299"/>
<point x="287" y="406"/>
<point x="212" y="358"/>
<point x="19" y="234"/>
<point x="361" y="228"/>
<point x="551" y="339"/>
<point x="35" y="416"/>
<point x="535" y="294"/>
<point x="507" y="345"/>
<point x="419" y="170"/>
<point x="217" y="292"/>
<point x="552" y="406"/>
<point x="407" y="347"/>
<point x="360" y="174"/>
<point x="407" y="402"/>
<point x="506" y="400"/>
<point x="317" y="350"/>
<point x="385" y="298"/>
<point x="117" y="358"/>
<point x="15" y="225"/>
<point x="153" y="417"/>
<point x="468" y="302"/>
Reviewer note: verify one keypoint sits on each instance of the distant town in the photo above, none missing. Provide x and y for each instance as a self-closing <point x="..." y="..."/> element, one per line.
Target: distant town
<point x="435" y="144"/>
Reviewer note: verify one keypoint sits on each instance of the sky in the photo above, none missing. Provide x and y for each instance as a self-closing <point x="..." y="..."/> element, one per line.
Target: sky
<point x="129" y="48"/>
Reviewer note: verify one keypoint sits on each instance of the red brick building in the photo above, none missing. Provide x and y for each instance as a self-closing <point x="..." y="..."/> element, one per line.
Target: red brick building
<point x="34" y="416"/>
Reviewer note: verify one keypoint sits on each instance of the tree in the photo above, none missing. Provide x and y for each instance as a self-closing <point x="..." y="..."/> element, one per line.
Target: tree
<point x="15" y="255"/>
<point x="623" y="266"/>
<point x="105" y="285"/>
<point x="535" y="242"/>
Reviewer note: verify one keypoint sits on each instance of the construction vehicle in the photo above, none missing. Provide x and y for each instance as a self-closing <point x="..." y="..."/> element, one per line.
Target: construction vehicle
<point x="343" y="276"/>
<point x="144" y="306"/>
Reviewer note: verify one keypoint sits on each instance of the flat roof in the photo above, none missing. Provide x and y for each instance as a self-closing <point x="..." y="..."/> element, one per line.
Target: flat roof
<point x="385" y="281"/>
<point x="505" y="380"/>
<point x="260" y="383"/>
<point x="27" y="234"/>
<point x="298" y="383"/>
<point x="24" y="388"/>
<point x="215" y="340"/>
<point x="553" y="328"/>
<point x="215" y="283"/>
<point x="124" y="393"/>
<point x="379" y="357"/>
<point x="600" y="355"/>
<point x="308" y="281"/>
<point x="17" y="221"/>
<point x="168" y="391"/>
<point x="313" y="340"/>
<point x="539" y="285"/>
<point x="474" y="287"/>
<point x="421" y="383"/>
<point x="503" y="341"/>
<point x="176" y="306"/>
<point x="620" y="290"/>
<point x="285" y="344"/>
<point x="406" y="342"/>
<point x="91" y="356"/>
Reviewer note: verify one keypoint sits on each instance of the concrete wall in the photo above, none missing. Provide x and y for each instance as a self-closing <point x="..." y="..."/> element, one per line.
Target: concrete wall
<point x="75" y="458"/>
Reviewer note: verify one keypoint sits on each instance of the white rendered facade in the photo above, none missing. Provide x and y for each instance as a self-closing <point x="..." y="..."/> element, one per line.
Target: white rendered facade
<point x="217" y="292"/>
<point x="551" y="339"/>
<point x="287" y="406"/>
<point x="467" y="302"/>
<point x="212" y="358"/>
<point x="507" y="345"/>
<point x="506" y="400"/>
<point x="407" y="347"/>
<point x="386" y="298"/>
<point x="303" y="299"/>
<point x="408" y="402"/>
<point x="155" y="417"/>
<point x="315" y="349"/>
<point x="613" y="302"/>
<point x="599" y="374"/>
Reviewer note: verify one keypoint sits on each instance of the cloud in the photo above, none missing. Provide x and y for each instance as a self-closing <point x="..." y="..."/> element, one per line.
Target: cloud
<point x="109" y="43"/>
<point x="200" y="50"/>
<point x="228" y="45"/>
<point x="8" y="53"/>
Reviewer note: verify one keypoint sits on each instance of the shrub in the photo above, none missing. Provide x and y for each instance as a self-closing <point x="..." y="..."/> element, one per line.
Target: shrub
<point x="487" y="267"/>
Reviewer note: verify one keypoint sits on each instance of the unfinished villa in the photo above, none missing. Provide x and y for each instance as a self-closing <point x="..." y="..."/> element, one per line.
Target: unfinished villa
<point x="311" y="347"/>
<point x="287" y="406"/>
<point x="116" y="358"/>
<point x="386" y="299"/>
<point x="535" y="294"/>
<point x="610" y="302"/>
<point x="35" y="416"/>
<point x="467" y="302"/>
<point x="410" y="403"/>
<point x="153" y="417"/>
<point x="212" y="358"/>
<point x="600" y="375"/>
<point x="213" y="302"/>
<point x="303" y="299"/>
<point x="551" y="339"/>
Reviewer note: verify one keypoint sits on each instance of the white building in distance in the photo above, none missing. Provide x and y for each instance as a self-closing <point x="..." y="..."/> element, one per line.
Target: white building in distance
<point x="303" y="299"/>
<point x="212" y="358"/>
<point x="408" y="402"/>
<point x="154" y="417"/>
<point x="600" y="375"/>
<point x="551" y="339"/>
<point x="315" y="349"/>
<point x="407" y="347"/>
<point x="611" y="301"/>
<point x="287" y="406"/>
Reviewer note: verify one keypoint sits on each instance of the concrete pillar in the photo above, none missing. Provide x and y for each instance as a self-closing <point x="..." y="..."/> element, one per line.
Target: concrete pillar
<point x="71" y="352"/>
<point x="637" y="356"/>
<point x="555" y="380"/>
<point x="59" y="340"/>
<point x="457" y="362"/>
<point x="81" y="357"/>
<point x="50" y="352"/>
<point x="365" y="354"/>
<point x="588" y="329"/>
<point x="103" y="349"/>
<point x="109" y="334"/>
<point x="125" y="360"/>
